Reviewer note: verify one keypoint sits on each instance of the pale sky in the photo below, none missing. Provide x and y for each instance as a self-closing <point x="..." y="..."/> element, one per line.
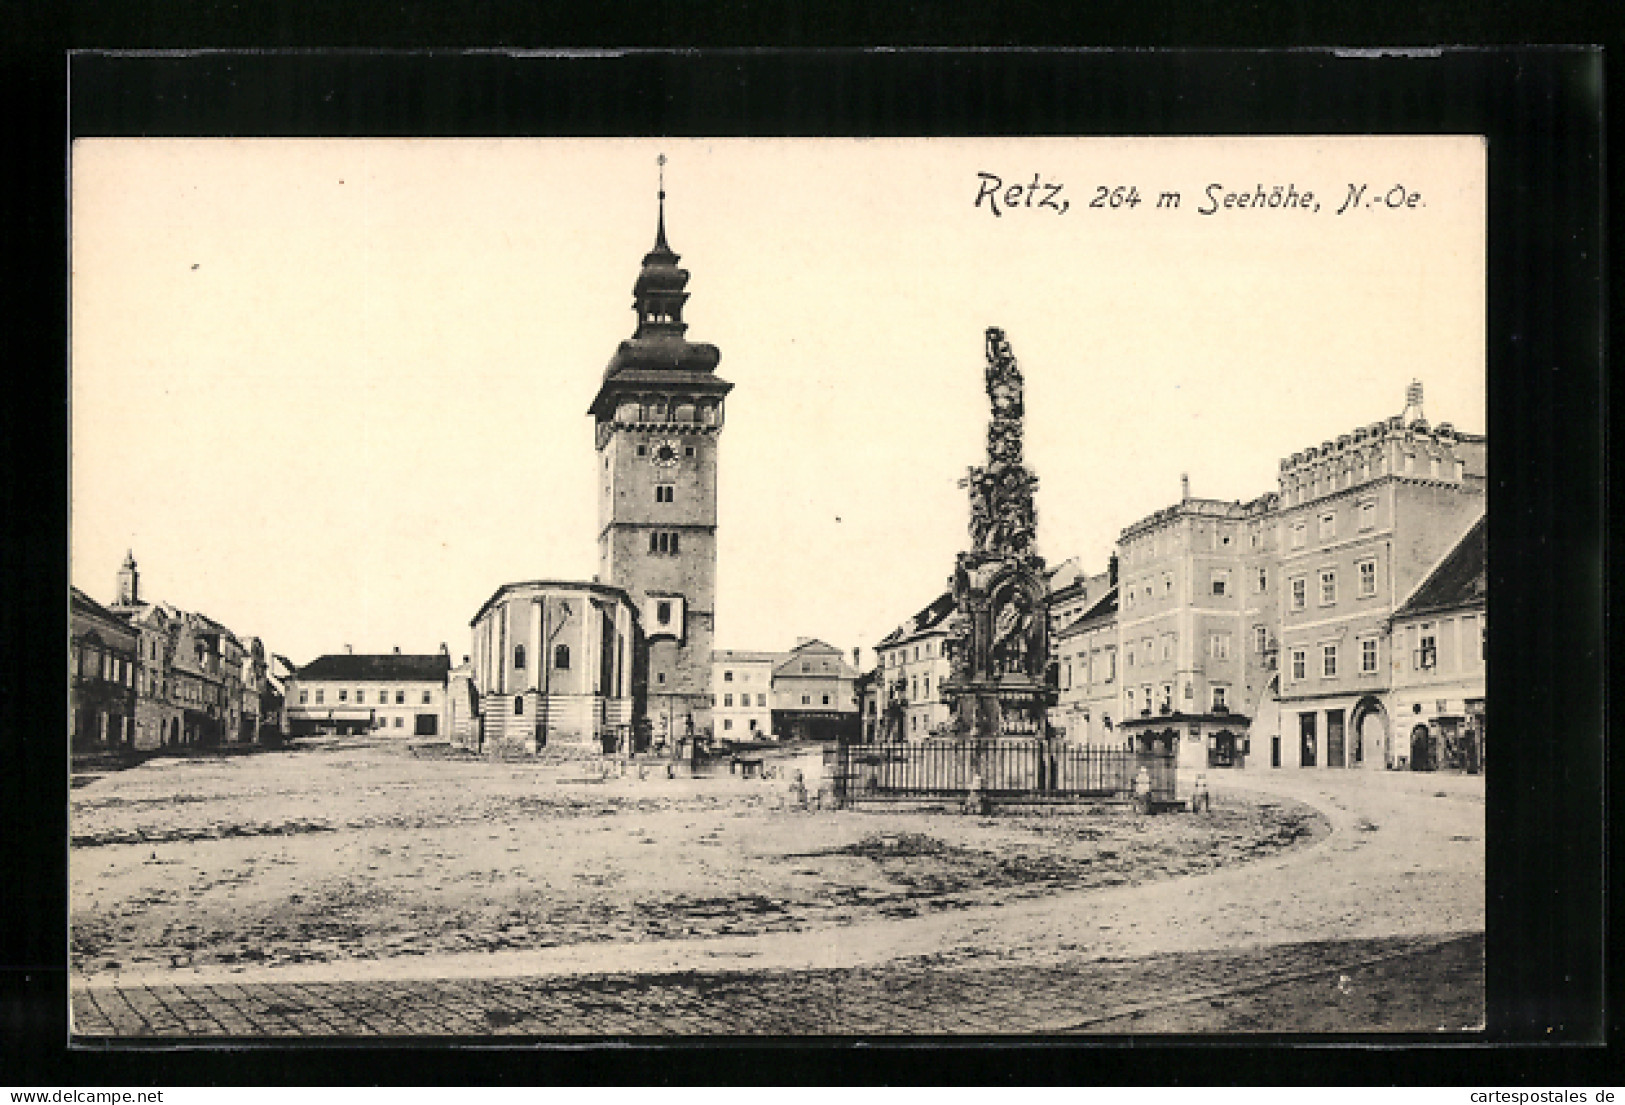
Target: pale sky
<point x="334" y="392"/>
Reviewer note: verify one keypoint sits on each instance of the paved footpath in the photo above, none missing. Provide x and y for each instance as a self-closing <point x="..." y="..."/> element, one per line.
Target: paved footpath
<point x="1377" y="927"/>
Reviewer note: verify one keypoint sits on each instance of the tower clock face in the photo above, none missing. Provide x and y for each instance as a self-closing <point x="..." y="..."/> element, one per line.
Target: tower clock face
<point x="664" y="454"/>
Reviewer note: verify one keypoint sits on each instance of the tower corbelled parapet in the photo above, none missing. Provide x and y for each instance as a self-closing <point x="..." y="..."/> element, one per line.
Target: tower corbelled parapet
<point x="659" y="413"/>
<point x="998" y="635"/>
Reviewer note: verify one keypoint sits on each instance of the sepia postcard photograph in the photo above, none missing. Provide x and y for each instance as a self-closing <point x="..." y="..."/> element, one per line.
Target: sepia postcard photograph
<point x="581" y="588"/>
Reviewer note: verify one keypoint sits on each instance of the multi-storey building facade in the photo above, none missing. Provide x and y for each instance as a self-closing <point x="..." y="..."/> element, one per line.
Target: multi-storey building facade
<point x="1189" y="602"/>
<point x="814" y="693"/>
<point x="1088" y="706"/>
<point x="1361" y="522"/>
<point x="913" y="663"/>
<point x="389" y="693"/>
<point x="102" y="650"/>
<point x="1437" y="661"/>
<point x="659" y="415"/>
<point x="744" y="693"/>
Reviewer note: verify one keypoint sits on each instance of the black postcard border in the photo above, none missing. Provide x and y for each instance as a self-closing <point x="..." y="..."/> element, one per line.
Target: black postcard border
<point x="1540" y="107"/>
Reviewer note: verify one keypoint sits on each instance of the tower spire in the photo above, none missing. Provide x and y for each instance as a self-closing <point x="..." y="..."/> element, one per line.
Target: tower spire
<point x="660" y="226"/>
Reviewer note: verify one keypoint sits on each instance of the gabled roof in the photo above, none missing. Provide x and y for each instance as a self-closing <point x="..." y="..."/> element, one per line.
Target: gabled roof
<point x="374" y="667"/>
<point x="84" y="604"/>
<point x="1104" y="609"/>
<point x="1460" y="579"/>
<point x="934" y="614"/>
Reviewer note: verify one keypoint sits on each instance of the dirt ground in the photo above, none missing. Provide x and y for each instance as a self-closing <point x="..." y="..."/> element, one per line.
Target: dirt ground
<point x="366" y="850"/>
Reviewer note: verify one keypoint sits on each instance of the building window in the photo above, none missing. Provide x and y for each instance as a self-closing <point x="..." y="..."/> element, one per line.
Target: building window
<point x="663" y="613"/>
<point x="727" y="723"/>
<point x="519" y="657"/>
<point x="663" y="492"/>
<point x="1220" y="694"/>
<point x="1368" y="655"/>
<point x="643" y="450"/>
<point x="400" y="698"/>
<point x="660" y="678"/>
<point x="1219" y="646"/>
<point x="319" y="695"/>
<point x="1299" y="663"/>
<point x="806" y="700"/>
<point x="1368" y="578"/>
<point x="426" y="698"/>
<point x="1261" y="639"/>
<point x="561" y="658"/>
<point x="1328" y="586"/>
<point x="1263" y="579"/>
<point x="1368" y="516"/>
<point x="304" y="697"/>
<point x="1167" y="582"/>
<point x="397" y="723"/>
<point x="1427" y="654"/>
<point x="1221" y="582"/>
<point x="928" y="692"/>
<point x="728" y="700"/>
<point x="1300" y="535"/>
<point x="344" y="696"/>
<point x="1328" y="526"/>
<point x="1300" y="592"/>
<point x="1328" y="661"/>
<point x="727" y="677"/>
<point x="761" y="700"/>
<point x="518" y="707"/>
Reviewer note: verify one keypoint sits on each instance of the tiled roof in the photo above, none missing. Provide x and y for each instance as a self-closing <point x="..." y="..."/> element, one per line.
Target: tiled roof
<point x="387" y="667"/>
<point x="738" y="656"/>
<point x="1460" y="579"/>
<point x="932" y="616"/>
<point x="1103" y="610"/>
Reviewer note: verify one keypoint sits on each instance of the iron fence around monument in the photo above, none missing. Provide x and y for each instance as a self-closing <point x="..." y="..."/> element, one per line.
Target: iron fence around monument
<point x="1009" y="770"/>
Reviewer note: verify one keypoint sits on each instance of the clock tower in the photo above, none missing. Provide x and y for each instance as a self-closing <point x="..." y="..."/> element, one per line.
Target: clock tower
<point x="659" y="413"/>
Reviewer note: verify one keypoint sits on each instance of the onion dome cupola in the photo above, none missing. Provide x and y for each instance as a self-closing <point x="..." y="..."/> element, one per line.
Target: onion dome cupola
<point x="658" y="357"/>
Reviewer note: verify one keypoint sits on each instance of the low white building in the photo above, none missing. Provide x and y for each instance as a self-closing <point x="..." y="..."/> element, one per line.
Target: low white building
<point x="401" y="695"/>
<point x="1438" y="635"/>
<point x="742" y="687"/>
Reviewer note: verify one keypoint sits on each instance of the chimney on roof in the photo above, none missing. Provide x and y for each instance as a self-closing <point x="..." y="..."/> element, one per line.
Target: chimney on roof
<point x="348" y="650"/>
<point x="444" y="651"/>
<point x="397" y="650"/>
<point x="1184" y="486"/>
<point x="1111" y="570"/>
<point x="857" y="656"/>
<point x="465" y="659"/>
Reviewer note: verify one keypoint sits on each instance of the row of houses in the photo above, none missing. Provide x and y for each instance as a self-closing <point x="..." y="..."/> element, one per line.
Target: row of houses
<point x="550" y="665"/>
<point x="1337" y="621"/>
<point x="149" y="675"/>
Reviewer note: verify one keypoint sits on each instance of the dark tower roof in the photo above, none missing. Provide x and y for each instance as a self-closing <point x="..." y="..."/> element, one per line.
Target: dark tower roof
<point x="658" y="353"/>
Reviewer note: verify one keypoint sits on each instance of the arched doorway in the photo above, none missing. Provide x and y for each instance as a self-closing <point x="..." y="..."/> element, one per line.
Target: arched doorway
<point x="1421" y="749"/>
<point x="1369" y="744"/>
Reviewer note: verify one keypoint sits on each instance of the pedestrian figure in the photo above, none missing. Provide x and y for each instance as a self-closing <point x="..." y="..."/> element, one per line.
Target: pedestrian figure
<point x="1142" y="790"/>
<point x="1201" y="800"/>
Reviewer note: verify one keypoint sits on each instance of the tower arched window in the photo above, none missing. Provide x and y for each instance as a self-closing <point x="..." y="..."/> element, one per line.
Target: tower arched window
<point x="561" y="657"/>
<point x="519" y="657"/>
<point x="518" y="707"/>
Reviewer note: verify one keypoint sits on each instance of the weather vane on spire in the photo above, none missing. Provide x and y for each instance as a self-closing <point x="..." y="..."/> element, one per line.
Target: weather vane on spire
<point x="661" y="161"/>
